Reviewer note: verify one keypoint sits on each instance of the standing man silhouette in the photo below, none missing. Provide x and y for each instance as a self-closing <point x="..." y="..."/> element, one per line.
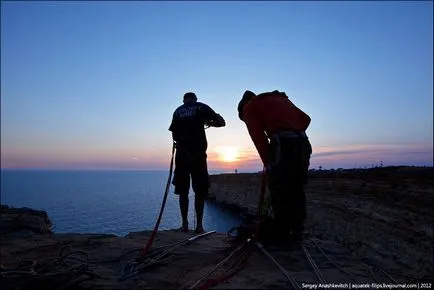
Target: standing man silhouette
<point x="188" y="132"/>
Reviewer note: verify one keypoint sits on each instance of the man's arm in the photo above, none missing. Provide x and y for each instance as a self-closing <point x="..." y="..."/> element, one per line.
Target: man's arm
<point x="212" y="118"/>
<point x="256" y="131"/>
<point x="218" y="121"/>
<point x="172" y="127"/>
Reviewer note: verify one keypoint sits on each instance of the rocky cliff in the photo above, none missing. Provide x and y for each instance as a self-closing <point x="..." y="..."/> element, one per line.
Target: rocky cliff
<point x="358" y="231"/>
<point x="384" y="214"/>
<point x="239" y="191"/>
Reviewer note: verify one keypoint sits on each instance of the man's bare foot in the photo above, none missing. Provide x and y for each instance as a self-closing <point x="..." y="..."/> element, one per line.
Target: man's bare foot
<point x="183" y="228"/>
<point x="199" y="230"/>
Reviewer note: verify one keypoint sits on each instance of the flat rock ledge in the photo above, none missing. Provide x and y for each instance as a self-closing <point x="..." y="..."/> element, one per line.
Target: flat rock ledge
<point x="370" y="231"/>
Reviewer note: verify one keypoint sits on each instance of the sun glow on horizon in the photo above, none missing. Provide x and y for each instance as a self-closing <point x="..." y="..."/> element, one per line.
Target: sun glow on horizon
<point x="228" y="153"/>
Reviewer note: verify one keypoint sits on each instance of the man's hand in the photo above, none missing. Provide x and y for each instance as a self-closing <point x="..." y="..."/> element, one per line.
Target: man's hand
<point x="218" y="121"/>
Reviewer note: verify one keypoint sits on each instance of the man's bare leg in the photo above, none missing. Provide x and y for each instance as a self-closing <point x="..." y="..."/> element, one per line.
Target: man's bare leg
<point x="183" y="205"/>
<point x="199" y="203"/>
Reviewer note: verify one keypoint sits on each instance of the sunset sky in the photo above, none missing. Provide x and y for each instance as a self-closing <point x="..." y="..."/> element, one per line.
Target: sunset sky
<point x="93" y="85"/>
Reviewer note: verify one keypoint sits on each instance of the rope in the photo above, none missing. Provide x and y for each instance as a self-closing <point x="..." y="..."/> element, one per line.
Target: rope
<point x="330" y="260"/>
<point x="222" y="262"/>
<point x="241" y="255"/>
<point x="372" y="273"/>
<point x="314" y="266"/>
<point x="261" y="200"/>
<point x="57" y="273"/>
<point x="141" y="262"/>
<point x="190" y="240"/>
<point x="387" y="275"/>
<point x="368" y="265"/>
<point x="156" y="257"/>
<point x="283" y="270"/>
<point x="349" y="273"/>
<point x="157" y="224"/>
<point x="239" y="262"/>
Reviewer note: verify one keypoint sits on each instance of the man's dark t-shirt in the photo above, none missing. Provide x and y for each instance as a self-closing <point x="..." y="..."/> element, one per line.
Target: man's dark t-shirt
<point x="188" y="126"/>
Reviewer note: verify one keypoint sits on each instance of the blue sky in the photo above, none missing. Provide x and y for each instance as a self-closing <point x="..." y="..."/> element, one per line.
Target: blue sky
<point x="95" y="84"/>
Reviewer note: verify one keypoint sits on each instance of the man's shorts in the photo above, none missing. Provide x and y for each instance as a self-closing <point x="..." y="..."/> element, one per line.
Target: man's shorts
<point x="191" y="163"/>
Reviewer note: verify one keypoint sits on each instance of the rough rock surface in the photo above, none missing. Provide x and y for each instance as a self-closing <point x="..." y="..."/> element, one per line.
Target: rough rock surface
<point x="385" y="215"/>
<point x="23" y="221"/>
<point x="236" y="190"/>
<point x="372" y="231"/>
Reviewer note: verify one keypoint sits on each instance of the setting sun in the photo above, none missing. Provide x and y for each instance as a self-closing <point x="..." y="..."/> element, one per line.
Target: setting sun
<point x="228" y="154"/>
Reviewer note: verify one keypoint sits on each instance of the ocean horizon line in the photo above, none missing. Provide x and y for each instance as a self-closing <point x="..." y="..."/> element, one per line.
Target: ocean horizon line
<point x="110" y="170"/>
<point x="210" y="170"/>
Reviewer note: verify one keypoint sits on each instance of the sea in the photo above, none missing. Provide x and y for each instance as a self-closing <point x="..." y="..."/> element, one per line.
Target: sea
<point x="107" y="202"/>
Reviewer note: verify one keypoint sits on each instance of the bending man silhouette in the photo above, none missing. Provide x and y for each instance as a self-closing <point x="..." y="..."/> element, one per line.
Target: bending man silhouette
<point x="277" y="128"/>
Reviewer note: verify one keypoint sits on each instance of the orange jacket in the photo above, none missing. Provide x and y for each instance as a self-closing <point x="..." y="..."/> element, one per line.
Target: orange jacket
<point x="269" y="113"/>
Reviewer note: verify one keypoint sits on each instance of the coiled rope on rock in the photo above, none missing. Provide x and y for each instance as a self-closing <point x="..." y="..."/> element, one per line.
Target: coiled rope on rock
<point x="64" y="272"/>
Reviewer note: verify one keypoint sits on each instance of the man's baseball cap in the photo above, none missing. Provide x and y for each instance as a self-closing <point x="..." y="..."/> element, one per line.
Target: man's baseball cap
<point x="190" y="95"/>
